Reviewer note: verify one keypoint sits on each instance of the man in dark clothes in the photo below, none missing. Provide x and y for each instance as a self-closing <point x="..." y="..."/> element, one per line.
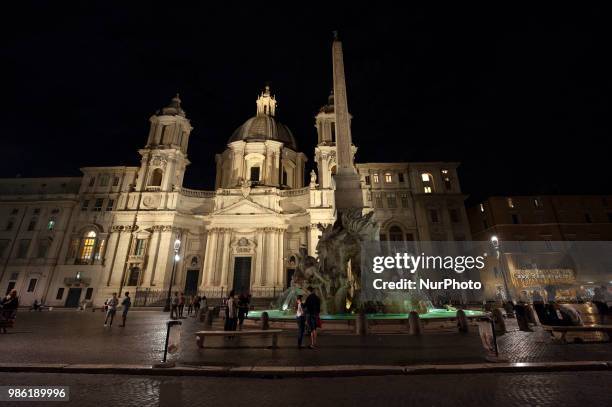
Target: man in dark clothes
<point x="313" y="309"/>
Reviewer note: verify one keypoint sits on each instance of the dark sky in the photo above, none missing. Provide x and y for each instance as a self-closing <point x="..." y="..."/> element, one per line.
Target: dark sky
<point x="520" y="96"/>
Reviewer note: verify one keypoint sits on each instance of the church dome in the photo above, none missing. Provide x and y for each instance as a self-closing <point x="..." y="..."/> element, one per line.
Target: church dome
<point x="264" y="126"/>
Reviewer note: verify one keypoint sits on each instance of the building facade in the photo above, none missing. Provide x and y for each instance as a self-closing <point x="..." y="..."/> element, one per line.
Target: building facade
<point x="66" y="241"/>
<point x="549" y="246"/>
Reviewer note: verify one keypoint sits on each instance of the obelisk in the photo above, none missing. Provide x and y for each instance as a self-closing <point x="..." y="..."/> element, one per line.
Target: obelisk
<point x="348" y="187"/>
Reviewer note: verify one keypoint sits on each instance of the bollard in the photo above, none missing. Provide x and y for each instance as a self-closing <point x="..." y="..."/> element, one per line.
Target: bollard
<point x="265" y="321"/>
<point x="462" y="321"/>
<point x="498" y="320"/>
<point x="361" y="324"/>
<point x="415" y="323"/>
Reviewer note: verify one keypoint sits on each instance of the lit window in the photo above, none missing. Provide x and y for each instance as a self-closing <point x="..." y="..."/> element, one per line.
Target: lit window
<point x="87" y="248"/>
<point x="427" y="190"/>
<point x="425" y="177"/>
<point x="375" y="178"/>
<point x="388" y="177"/>
<point x="444" y="172"/>
<point x="510" y="202"/>
<point x="482" y="208"/>
<point x="427" y="183"/>
<point x="537" y="203"/>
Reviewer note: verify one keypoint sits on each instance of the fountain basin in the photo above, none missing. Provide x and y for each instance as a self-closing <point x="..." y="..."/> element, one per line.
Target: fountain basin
<point x="434" y="313"/>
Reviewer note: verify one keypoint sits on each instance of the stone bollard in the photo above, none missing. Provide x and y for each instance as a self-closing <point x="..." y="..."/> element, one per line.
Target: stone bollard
<point x="415" y="323"/>
<point x="498" y="320"/>
<point x="361" y="324"/>
<point x="265" y="321"/>
<point x="462" y="321"/>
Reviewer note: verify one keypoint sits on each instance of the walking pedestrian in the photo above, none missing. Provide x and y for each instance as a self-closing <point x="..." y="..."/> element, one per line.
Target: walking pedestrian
<point x="174" y="306"/>
<point x="231" y="313"/>
<point x="181" y="305"/>
<point x="190" y="305"/>
<point x="126" y="304"/>
<point x="313" y="309"/>
<point x="301" y="320"/>
<point x="111" y="310"/>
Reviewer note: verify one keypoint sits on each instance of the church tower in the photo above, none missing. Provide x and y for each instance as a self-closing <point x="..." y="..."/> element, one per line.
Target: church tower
<point x="164" y="158"/>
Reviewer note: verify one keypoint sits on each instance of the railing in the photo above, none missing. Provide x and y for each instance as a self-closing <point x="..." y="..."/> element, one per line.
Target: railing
<point x="194" y="193"/>
<point x="145" y="297"/>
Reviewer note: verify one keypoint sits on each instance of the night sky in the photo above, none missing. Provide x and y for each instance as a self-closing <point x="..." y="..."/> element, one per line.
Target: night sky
<point x="521" y="97"/>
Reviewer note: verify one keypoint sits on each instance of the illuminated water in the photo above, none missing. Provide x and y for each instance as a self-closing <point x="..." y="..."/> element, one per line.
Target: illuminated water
<point x="433" y="313"/>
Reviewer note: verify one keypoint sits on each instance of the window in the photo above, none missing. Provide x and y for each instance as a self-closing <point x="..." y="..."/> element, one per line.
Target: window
<point x="427" y="183"/>
<point x="285" y="178"/>
<point x="510" y="203"/>
<point x="515" y="219"/>
<point x="139" y="248"/>
<point x="115" y="181"/>
<point x="100" y="249"/>
<point x="32" y="224"/>
<point x="447" y="181"/>
<point x="537" y="203"/>
<point x="110" y="204"/>
<point x="481" y="207"/>
<point x="375" y="178"/>
<point x="98" y="205"/>
<point x="43" y="248"/>
<point x="89" y="293"/>
<point x="485" y="224"/>
<point x="404" y="200"/>
<point x="587" y="218"/>
<point x="433" y="216"/>
<point x="254" y="176"/>
<point x="104" y="179"/>
<point x="9" y="224"/>
<point x="85" y="205"/>
<point x="156" y="178"/>
<point x="32" y="285"/>
<point x="74" y="246"/>
<point x="134" y="275"/>
<point x="454" y="215"/>
<point x="368" y="181"/>
<point x="60" y="293"/>
<point x="4" y="243"/>
<point x="51" y="224"/>
<point x="378" y="201"/>
<point x="87" y="247"/>
<point x="391" y="201"/>
<point x="22" y="249"/>
<point x="396" y="234"/>
<point x="388" y="177"/>
<point x="92" y="181"/>
<point x="400" y="177"/>
<point x="333" y="132"/>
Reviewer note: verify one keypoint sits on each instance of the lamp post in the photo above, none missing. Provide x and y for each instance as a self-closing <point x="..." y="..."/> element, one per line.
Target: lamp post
<point x="177" y="246"/>
<point x="497" y="246"/>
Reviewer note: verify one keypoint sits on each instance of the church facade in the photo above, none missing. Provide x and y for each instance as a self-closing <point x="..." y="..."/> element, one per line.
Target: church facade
<point x="67" y="241"/>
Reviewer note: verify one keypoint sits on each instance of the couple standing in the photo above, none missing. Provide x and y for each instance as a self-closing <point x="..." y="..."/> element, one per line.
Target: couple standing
<point x="307" y="314"/>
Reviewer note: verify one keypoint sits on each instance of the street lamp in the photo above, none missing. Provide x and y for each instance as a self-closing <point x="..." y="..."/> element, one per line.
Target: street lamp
<point x="497" y="246"/>
<point x="177" y="257"/>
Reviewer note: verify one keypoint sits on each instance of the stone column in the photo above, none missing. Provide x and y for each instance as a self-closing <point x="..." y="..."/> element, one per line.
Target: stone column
<point x="209" y="258"/>
<point x="225" y="254"/>
<point x="259" y="256"/>
<point x="280" y="254"/>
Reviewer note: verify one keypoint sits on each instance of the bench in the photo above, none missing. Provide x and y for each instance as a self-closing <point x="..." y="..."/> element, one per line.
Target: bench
<point x="200" y="335"/>
<point x="580" y="328"/>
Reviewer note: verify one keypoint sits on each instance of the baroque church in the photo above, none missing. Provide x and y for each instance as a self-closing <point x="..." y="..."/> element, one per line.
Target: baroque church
<point x="75" y="240"/>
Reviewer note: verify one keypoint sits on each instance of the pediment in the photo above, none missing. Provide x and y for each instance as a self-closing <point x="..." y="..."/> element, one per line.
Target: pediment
<point x="245" y="207"/>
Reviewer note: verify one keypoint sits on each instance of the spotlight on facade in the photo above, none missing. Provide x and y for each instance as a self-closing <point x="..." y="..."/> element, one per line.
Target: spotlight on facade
<point x="177" y="245"/>
<point x="495" y="241"/>
<point x="177" y="257"/>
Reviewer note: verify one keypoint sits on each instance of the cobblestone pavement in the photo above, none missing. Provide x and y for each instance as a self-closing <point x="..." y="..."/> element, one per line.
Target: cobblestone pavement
<point x="68" y="336"/>
<point x="550" y="389"/>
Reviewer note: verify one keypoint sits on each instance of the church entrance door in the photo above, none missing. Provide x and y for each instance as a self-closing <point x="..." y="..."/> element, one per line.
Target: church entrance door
<point x="191" y="282"/>
<point x="74" y="295"/>
<point x="242" y="274"/>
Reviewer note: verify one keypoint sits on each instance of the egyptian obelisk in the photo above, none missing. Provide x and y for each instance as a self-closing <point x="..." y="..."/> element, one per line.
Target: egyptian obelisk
<point x="348" y="187"/>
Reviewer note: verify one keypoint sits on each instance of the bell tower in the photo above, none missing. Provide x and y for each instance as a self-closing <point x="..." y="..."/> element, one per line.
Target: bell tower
<point x="164" y="157"/>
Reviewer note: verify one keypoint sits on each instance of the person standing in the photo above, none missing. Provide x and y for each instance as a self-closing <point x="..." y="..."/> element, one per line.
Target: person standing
<point x="313" y="309"/>
<point x="196" y="305"/>
<point x="9" y="306"/>
<point x="243" y="309"/>
<point x="190" y="305"/>
<point x="301" y="320"/>
<point x="181" y="305"/>
<point x="174" y="306"/>
<point x="231" y="313"/>
<point x="126" y="304"/>
<point x="112" y="309"/>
